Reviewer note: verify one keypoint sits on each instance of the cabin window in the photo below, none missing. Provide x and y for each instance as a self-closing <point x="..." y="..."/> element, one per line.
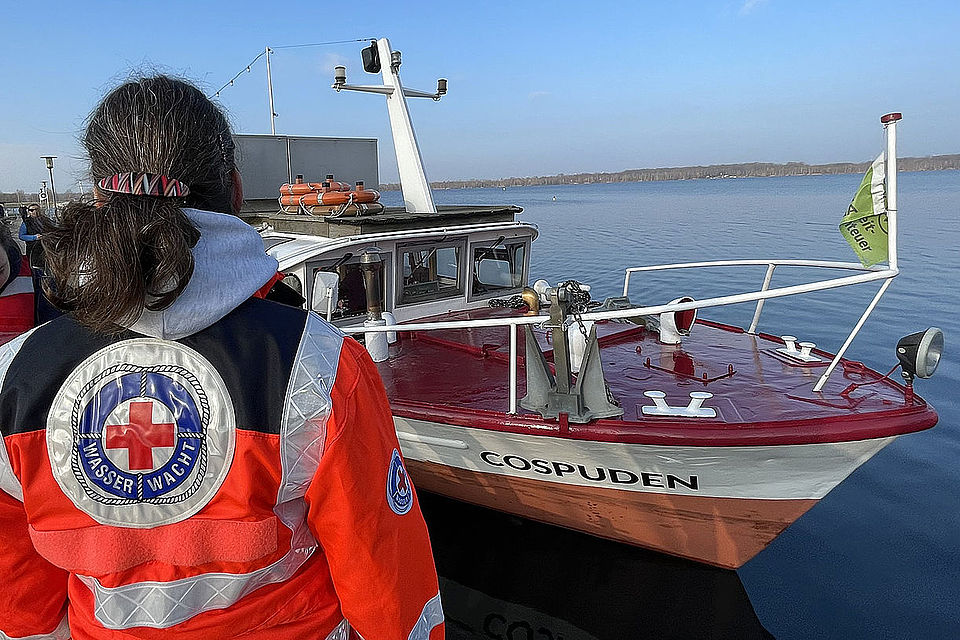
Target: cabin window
<point x="430" y="272"/>
<point x="351" y="290"/>
<point x="498" y="269"/>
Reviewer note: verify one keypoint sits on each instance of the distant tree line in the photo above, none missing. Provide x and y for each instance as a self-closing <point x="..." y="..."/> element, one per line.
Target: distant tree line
<point x="743" y="170"/>
<point x="13" y="197"/>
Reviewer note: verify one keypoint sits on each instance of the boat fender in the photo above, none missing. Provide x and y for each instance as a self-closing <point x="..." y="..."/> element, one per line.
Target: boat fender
<point x="577" y="340"/>
<point x="376" y="341"/>
<point x="675" y="325"/>
<point x="390" y="319"/>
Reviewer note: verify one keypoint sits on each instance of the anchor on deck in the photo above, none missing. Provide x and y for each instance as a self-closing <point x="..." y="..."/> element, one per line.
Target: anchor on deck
<point x="551" y="395"/>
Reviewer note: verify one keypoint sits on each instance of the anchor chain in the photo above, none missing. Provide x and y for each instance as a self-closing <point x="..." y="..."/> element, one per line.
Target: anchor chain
<point x="513" y="302"/>
<point x="580" y="302"/>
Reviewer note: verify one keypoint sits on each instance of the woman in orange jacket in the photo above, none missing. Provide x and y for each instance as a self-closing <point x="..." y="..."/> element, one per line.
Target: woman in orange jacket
<point x="180" y="457"/>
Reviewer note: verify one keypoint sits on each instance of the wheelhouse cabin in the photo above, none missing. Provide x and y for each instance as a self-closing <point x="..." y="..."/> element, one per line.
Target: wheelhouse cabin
<point x="455" y="259"/>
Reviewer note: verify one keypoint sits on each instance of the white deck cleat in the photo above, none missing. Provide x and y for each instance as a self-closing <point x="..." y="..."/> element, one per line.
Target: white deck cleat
<point x="803" y="354"/>
<point x="693" y="410"/>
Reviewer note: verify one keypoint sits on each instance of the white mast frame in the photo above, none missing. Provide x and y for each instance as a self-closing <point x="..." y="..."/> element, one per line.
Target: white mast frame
<point x="417" y="196"/>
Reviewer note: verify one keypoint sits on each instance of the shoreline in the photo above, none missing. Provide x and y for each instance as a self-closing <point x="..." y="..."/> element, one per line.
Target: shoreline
<point x="700" y="172"/>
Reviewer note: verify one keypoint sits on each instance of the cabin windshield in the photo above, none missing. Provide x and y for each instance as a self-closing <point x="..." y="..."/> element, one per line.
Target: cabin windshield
<point x="351" y="291"/>
<point x="430" y="272"/>
<point x="269" y="243"/>
<point x="497" y="269"/>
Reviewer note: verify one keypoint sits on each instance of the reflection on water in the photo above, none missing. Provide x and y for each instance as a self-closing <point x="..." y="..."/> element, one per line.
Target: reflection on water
<point x="505" y="578"/>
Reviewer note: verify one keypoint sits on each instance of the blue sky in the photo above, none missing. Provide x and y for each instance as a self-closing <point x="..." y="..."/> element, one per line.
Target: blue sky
<point x="535" y="87"/>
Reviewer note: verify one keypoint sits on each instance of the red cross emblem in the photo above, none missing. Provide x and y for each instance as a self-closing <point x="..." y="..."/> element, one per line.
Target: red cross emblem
<point x="140" y="436"/>
<point x="402" y="485"/>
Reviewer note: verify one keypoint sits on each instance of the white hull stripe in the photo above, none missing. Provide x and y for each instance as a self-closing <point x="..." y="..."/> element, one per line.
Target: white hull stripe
<point x="164" y="604"/>
<point x="783" y="472"/>
<point x="430" y="617"/>
<point x="62" y="632"/>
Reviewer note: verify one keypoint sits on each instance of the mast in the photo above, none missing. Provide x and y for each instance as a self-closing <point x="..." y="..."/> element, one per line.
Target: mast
<point x="417" y="197"/>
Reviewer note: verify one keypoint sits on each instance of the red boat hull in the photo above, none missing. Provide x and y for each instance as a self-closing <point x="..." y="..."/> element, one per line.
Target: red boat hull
<point x="714" y="489"/>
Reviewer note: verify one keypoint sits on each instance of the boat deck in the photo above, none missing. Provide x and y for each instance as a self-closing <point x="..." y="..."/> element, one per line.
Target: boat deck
<point x="760" y="395"/>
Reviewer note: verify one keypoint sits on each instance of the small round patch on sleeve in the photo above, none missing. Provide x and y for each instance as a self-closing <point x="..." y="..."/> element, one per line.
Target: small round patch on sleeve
<point x="142" y="433"/>
<point x="399" y="491"/>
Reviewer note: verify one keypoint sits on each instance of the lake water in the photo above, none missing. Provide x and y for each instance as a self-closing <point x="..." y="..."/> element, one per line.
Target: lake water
<point x="879" y="557"/>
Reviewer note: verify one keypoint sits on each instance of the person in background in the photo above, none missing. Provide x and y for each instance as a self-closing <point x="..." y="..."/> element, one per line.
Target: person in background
<point x="16" y="288"/>
<point x="181" y="457"/>
<point x="31" y="228"/>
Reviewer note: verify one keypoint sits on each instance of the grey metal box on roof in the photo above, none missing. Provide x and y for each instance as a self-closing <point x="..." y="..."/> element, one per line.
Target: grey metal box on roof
<point x="267" y="161"/>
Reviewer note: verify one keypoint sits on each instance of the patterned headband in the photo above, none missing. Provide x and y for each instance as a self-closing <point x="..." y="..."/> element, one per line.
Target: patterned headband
<point x="144" y="184"/>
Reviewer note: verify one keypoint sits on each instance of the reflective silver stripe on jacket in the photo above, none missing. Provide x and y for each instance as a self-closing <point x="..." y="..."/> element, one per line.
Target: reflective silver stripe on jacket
<point x="9" y="483"/>
<point x="302" y="434"/>
<point x="340" y="632"/>
<point x="62" y="632"/>
<point x="430" y="617"/>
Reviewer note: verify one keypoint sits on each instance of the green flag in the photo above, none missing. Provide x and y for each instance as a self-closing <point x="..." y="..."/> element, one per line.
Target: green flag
<point x="865" y="225"/>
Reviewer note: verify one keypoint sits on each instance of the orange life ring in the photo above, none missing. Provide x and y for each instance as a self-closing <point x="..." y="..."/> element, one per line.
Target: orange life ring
<point x="333" y="185"/>
<point x="326" y="198"/>
<point x="299" y="188"/>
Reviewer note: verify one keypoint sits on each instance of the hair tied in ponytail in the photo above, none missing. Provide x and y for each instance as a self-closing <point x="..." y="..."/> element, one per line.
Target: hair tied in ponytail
<point x="133" y="244"/>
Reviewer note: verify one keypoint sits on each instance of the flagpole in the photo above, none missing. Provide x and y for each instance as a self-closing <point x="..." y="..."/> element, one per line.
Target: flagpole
<point x="889" y="122"/>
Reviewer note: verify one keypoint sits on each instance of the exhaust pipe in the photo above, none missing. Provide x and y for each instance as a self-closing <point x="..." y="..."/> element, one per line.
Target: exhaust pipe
<point x="376" y="341"/>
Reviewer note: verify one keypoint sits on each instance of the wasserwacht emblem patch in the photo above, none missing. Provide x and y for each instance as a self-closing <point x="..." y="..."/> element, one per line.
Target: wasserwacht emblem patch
<point x="142" y="433"/>
<point x="399" y="491"/>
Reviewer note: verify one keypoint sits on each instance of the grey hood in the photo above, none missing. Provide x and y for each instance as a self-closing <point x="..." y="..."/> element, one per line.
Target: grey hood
<point x="230" y="265"/>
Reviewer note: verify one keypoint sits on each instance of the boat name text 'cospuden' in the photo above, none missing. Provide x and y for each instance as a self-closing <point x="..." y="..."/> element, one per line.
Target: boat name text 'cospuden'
<point x="592" y="473"/>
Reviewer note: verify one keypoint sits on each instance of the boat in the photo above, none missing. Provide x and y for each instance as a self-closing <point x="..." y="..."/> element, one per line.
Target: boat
<point x="643" y="424"/>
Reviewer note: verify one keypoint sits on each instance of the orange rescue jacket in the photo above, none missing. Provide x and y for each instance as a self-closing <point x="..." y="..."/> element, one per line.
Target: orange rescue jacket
<point x="240" y="480"/>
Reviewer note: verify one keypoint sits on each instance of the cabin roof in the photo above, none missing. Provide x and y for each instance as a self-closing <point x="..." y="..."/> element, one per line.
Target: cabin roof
<point x="444" y="215"/>
<point x="258" y="213"/>
<point x="292" y="248"/>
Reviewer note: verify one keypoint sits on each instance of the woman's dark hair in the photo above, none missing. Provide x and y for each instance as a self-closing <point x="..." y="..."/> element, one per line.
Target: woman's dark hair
<point x="111" y="258"/>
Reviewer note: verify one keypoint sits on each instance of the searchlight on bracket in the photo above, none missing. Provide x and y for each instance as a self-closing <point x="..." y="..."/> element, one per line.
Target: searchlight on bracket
<point x="919" y="353"/>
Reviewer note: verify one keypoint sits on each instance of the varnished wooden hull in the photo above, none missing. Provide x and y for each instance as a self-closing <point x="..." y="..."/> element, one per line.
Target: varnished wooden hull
<point x="717" y="505"/>
<point x="725" y="532"/>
